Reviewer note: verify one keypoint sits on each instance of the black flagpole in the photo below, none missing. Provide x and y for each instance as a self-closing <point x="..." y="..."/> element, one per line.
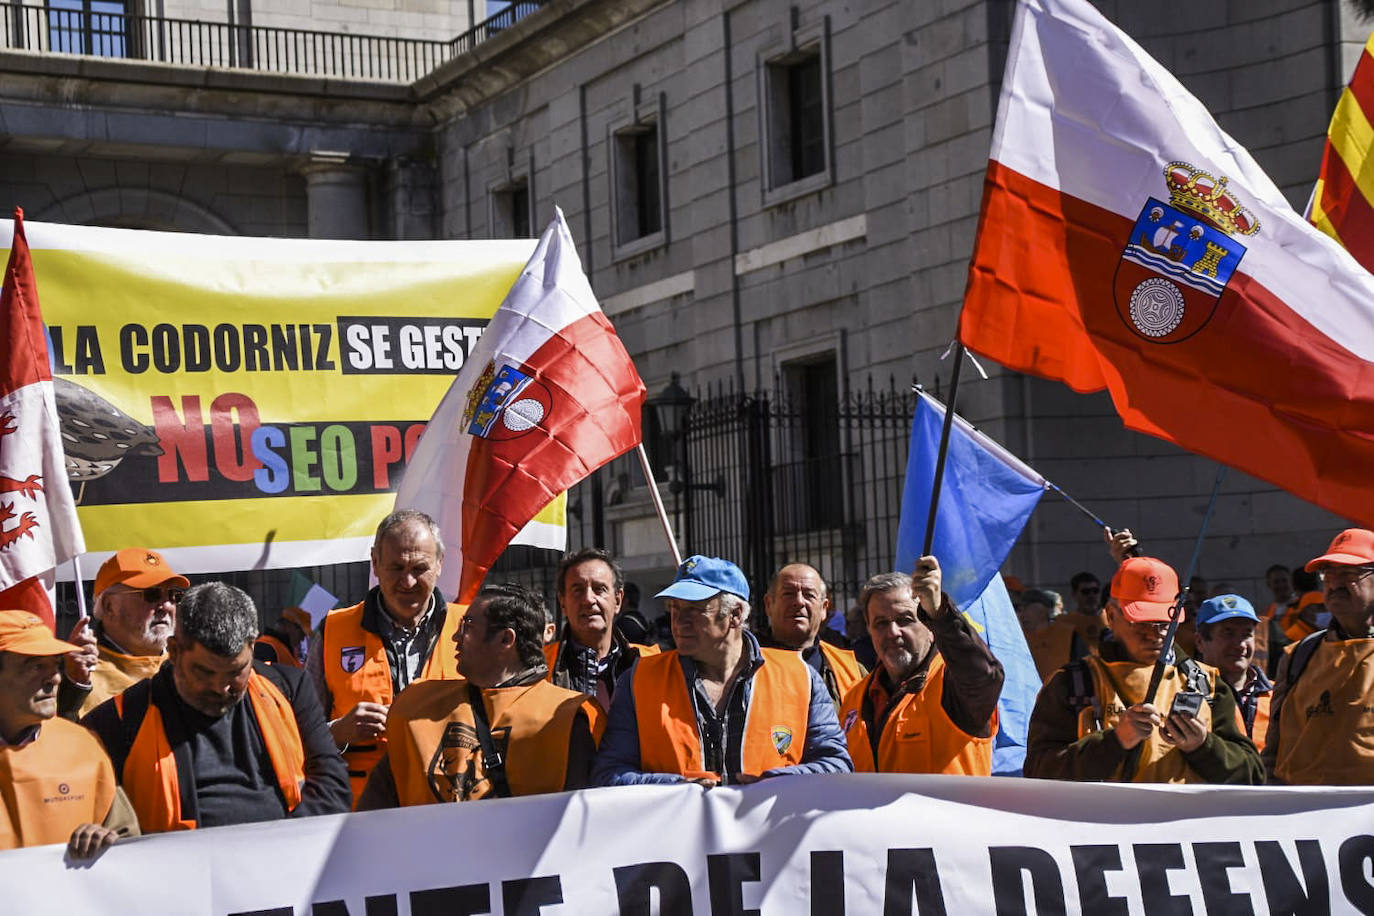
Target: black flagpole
<point x="958" y="352"/>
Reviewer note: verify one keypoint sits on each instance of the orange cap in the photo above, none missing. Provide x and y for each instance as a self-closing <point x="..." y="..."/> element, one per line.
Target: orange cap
<point x="137" y="567"/>
<point x="1352" y="547"/>
<point x="1145" y="588"/>
<point x="299" y="616"/>
<point x="26" y="634"/>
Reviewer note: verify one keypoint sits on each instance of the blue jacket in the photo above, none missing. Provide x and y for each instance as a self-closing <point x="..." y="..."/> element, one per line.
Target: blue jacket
<point x="617" y="758"/>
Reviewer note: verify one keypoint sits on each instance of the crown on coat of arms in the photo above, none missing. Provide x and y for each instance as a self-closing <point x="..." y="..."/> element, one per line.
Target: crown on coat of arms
<point x="1205" y="195"/>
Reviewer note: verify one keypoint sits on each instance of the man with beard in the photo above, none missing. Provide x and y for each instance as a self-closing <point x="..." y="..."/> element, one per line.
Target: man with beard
<point x="1321" y="730"/>
<point x="1091" y="716"/>
<point x="931" y="705"/>
<point x="136" y="595"/>
<point x="215" y="738"/>
<point x="797" y="604"/>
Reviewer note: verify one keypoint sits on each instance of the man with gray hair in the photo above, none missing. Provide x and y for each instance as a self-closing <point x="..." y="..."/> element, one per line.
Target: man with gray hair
<point x="363" y="656"/>
<point x="190" y="752"/>
<point x="718" y="709"/>
<point x="931" y="704"/>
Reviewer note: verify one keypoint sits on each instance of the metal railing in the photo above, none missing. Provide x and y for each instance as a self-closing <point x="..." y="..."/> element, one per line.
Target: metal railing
<point x="273" y="49"/>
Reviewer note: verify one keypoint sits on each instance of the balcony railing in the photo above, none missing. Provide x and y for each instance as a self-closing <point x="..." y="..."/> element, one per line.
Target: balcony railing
<point x="100" y="29"/>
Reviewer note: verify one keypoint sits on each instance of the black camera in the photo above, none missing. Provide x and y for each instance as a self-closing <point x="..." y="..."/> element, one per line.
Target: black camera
<point x="1188" y="702"/>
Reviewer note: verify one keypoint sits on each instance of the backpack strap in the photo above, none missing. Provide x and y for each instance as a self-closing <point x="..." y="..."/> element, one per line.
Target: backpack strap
<point x="1302" y="654"/>
<point x="493" y="764"/>
<point x="1082" y="693"/>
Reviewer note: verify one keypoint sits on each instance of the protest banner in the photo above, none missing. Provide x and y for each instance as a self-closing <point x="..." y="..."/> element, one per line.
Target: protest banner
<point x="248" y="402"/>
<point x="822" y="845"/>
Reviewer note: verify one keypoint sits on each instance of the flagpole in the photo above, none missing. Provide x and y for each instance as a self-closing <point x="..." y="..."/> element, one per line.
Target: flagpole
<point x="944" y="448"/>
<point x="81" y="612"/>
<point x="658" y="504"/>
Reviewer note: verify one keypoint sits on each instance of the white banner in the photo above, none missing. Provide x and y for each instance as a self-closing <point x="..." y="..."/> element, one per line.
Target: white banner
<point x="819" y="845"/>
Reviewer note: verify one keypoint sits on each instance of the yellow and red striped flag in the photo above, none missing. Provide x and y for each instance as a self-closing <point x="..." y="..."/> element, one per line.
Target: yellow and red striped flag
<point x="1343" y="202"/>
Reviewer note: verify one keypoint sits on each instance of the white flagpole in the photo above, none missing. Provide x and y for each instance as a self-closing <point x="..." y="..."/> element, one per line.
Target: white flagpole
<point x="81" y="612"/>
<point x="658" y="504"/>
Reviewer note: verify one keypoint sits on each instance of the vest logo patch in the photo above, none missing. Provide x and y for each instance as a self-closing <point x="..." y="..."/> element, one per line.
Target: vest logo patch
<point x="850" y="719"/>
<point x="781" y="736"/>
<point x="1322" y="707"/>
<point x="351" y="658"/>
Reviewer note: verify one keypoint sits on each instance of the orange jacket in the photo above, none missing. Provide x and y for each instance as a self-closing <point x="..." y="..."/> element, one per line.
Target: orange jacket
<point x="152" y="779"/>
<point x="774" y="732"/>
<point x="918" y="736"/>
<point x="52" y="785"/>
<point x="367" y="677"/>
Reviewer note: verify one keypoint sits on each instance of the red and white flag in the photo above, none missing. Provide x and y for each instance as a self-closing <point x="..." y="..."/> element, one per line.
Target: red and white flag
<point x="548" y="396"/>
<point x="1127" y="243"/>
<point x="38" y="524"/>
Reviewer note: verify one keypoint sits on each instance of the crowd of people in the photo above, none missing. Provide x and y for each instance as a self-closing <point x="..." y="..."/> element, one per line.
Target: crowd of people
<point x="169" y="710"/>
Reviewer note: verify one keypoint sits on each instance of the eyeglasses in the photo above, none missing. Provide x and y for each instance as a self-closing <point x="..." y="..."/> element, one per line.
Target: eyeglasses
<point x="156" y="594"/>
<point x="1345" y="574"/>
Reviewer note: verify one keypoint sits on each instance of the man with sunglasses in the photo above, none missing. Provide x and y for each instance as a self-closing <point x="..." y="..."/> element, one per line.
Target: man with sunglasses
<point x="125" y="640"/>
<point x="1322" y="712"/>
<point x="1090" y="717"/>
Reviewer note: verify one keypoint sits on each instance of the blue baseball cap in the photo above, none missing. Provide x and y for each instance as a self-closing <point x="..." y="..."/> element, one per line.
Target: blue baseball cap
<point x="1225" y="607"/>
<point x="699" y="578"/>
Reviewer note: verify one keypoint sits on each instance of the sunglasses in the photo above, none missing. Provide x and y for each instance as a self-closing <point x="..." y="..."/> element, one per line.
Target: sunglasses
<point x="156" y="594"/>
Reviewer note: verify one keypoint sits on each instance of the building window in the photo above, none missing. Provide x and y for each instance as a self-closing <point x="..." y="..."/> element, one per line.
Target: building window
<point x="638" y="183"/>
<point x="511" y="216"/>
<point x="95" y="27"/>
<point x="809" y="492"/>
<point x="794" y="106"/>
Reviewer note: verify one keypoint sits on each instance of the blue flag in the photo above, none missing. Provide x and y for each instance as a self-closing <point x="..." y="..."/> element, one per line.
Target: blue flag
<point x="987" y="496"/>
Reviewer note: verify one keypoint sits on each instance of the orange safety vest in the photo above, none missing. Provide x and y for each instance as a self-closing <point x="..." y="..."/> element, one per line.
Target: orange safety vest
<point x="285" y="655"/>
<point x="435" y="753"/>
<point x="356" y="671"/>
<point x="1326" y="725"/>
<point x="774" y="727"/>
<point x="52" y="785"/>
<point x="843" y="664"/>
<point x="1119" y="685"/>
<point x="151" y="778"/>
<point x="115" y="673"/>
<point x="918" y="736"/>
<point x="1260" y="729"/>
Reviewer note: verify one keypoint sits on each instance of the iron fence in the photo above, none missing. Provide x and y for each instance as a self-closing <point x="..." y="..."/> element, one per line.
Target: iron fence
<point x="92" y="31"/>
<point x="772" y="480"/>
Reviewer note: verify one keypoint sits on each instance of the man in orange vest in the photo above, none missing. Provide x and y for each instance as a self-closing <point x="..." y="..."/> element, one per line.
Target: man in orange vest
<point x="364" y="655"/>
<point x="1322" y="715"/>
<point x="280" y="645"/>
<point x="1227" y="628"/>
<point x="501" y="730"/>
<point x="797" y="604"/>
<point x="931" y="706"/>
<point x="125" y="640"/>
<point x="56" y="784"/>
<point x="216" y="738"/>
<point x="719" y="709"/>
<point x="591" y="655"/>
<point x="1091" y="713"/>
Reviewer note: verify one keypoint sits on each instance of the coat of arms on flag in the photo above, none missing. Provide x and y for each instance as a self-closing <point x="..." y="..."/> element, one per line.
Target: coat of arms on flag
<point x="509" y="396"/>
<point x="1181" y="255"/>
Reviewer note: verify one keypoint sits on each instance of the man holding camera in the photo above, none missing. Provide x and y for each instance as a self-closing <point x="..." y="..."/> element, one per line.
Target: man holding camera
<point x="1091" y="722"/>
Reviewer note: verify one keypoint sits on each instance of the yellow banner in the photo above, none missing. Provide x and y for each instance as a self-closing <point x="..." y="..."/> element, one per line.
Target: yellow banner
<point x="253" y="402"/>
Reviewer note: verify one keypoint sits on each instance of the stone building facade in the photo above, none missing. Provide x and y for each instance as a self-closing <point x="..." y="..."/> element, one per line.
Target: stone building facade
<point x="766" y="195"/>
